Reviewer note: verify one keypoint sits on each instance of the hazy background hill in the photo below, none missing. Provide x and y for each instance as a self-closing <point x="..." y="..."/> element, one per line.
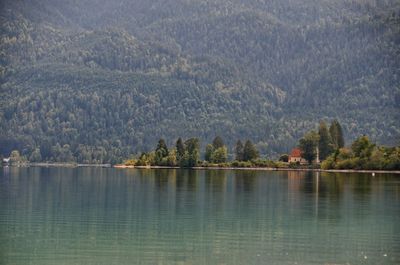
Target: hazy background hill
<point x="96" y="80"/>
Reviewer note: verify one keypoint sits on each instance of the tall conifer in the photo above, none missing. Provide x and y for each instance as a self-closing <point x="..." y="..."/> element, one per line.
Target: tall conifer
<point x="336" y="133"/>
<point x="325" y="145"/>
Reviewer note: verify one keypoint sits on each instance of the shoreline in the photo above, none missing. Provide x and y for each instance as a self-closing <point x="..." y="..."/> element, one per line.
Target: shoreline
<point x="265" y="169"/>
<point x="65" y="165"/>
<point x="120" y="166"/>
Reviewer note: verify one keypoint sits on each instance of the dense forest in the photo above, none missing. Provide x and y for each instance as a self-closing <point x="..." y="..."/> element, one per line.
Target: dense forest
<point x="96" y="81"/>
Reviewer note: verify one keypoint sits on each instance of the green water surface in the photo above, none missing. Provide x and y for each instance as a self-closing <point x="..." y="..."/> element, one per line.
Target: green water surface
<point x="131" y="216"/>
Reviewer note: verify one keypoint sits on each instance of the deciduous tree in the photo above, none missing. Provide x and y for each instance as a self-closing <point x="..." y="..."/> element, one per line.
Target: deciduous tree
<point x="308" y="145"/>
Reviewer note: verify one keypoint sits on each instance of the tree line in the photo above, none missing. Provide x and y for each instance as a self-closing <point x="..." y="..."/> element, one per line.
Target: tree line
<point x="323" y="142"/>
<point x="364" y="154"/>
<point x="187" y="154"/>
<point x="329" y="145"/>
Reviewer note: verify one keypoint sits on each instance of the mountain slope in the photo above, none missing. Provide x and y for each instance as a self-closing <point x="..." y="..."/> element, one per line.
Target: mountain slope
<point x="108" y="78"/>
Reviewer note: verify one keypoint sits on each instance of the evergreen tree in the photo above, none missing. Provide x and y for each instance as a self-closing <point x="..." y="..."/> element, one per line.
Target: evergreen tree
<point x="249" y="152"/>
<point x="325" y="142"/>
<point x="209" y="152"/>
<point x="162" y="146"/>
<point x="184" y="161"/>
<point x="308" y="145"/>
<point x="336" y="133"/>
<point x="340" y="139"/>
<point x="239" y="151"/>
<point x="192" y="147"/>
<point x="218" y="143"/>
<point x="180" y="149"/>
<point x="161" y="152"/>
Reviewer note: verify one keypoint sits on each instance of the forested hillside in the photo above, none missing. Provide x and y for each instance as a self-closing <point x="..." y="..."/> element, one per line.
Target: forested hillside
<point x="98" y="80"/>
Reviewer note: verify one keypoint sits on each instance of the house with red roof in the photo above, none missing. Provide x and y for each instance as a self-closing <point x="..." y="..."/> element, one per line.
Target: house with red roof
<point x="295" y="157"/>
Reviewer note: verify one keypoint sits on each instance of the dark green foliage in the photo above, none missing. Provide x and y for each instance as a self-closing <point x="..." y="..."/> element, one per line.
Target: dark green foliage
<point x="161" y="152"/>
<point x="36" y="156"/>
<point x="364" y="155"/>
<point x="209" y="152"/>
<point x="220" y="155"/>
<point x="249" y="151"/>
<point x="325" y="144"/>
<point x="308" y="146"/>
<point x="62" y="153"/>
<point x="108" y="77"/>
<point x="162" y="147"/>
<point x="192" y="152"/>
<point x="242" y="164"/>
<point x="239" y="149"/>
<point x="216" y="152"/>
<point x="284" y="158"/>
<point x="180" y="149"/>
<point x="336" y="134"/>
<point x="362" y="147"/>
<point x="218" y="142"/>
<point x="147" y="159"/>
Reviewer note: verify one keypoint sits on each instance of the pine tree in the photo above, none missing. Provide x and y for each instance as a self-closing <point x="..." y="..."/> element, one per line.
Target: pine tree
<point x="249" y="152"/>
<point x="162" y="148"/>
<point x="325" y="145"/>
<point x="239" y="151"/>
<point x="340" y="139"/>
<point x="192" y="147"/>
<point x="218" y="143"/>
<point x="180" y="149"/>
<point x="336" y="133"/>
<point x="209" y="152"/>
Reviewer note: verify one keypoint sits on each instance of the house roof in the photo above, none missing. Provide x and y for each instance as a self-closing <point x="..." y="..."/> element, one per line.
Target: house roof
<point x="296" y="152"/>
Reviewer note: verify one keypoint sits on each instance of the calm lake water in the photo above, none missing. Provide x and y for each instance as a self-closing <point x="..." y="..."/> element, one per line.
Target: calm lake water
<point x="130" y="216"/>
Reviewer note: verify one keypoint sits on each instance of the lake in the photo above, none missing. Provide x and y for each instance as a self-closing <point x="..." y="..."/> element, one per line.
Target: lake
<point x="170" y="216"/>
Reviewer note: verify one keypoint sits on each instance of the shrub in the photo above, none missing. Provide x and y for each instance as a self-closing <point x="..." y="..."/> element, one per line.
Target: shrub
<point x="352" y="163"/>
<point x="328" y="163"/>
<point x="284" y="158"/>
<point x="294" y="165"/>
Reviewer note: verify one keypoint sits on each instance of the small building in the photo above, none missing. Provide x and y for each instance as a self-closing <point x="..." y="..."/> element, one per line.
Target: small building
<point x="295" y="157"/>
<point x="6" y="161"/>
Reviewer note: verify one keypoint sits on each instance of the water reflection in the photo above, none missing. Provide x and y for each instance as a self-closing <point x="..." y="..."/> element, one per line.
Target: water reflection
<point x="109" y="216"/>
<point x="245" y="180"/>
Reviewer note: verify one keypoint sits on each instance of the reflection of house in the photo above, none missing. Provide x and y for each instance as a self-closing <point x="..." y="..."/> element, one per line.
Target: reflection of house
<point x="295" y="157"/>
<point x="6" y="161"/>
<point x="295" y="180"/>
